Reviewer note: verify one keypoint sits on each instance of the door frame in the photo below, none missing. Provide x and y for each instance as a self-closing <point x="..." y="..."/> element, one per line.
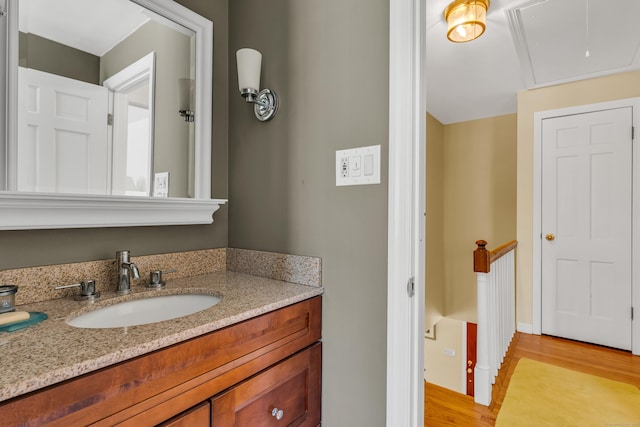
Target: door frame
<point x="119" y="84"/>
<point x="406" y="213"/>
<point x="538" y="117"/>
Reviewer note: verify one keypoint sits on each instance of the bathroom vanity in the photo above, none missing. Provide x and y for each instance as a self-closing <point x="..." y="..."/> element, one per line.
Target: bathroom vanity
<point x="253" y="359"/>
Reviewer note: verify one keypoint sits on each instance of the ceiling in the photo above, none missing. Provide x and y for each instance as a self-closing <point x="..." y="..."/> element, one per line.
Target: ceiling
<point x="527" y="44"/>
<point x="93" y="26"/>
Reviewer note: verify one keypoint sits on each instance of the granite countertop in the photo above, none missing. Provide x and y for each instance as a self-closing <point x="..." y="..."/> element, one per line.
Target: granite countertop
<point x="52" y="351"/>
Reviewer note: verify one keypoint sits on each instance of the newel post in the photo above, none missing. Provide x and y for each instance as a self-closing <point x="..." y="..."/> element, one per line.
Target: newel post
<point x="481" y="257"/>
<point x="482" y="371"/>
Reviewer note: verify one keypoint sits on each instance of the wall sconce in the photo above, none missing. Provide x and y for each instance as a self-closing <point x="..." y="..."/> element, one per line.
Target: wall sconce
<point x="185" y="97"/>
<point x="466" y="19"/>
<point x="266" y="101"/>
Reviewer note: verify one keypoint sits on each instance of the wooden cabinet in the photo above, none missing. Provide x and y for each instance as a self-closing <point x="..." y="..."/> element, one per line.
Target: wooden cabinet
<point x="178" y="381"/>
<point x="285" y="395"/>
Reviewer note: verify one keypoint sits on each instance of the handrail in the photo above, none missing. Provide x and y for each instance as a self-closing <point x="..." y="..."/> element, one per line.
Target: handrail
<point x="482" y="257"/>
<point x="500" y="251"/>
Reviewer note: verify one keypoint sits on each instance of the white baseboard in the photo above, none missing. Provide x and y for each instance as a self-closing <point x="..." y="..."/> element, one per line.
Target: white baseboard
<point x="525" y="328"/>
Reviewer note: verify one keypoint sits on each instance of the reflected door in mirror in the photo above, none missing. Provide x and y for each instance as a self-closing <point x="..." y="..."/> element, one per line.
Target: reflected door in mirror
<point x="62" y="139"/>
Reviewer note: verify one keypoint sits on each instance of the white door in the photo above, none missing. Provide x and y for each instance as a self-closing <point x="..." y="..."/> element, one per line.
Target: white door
<point x="62" y="128"/>
<point x="586" y="227"/>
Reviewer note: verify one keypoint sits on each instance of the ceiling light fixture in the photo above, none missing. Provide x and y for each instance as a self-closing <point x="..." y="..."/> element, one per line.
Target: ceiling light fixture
<point x="466" y="19"/>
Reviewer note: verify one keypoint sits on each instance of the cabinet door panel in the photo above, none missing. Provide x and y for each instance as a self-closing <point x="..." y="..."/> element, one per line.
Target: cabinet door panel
<point x="292" y="386"/>
<point x="198" y="416"/>
<point x="289" y="397"/>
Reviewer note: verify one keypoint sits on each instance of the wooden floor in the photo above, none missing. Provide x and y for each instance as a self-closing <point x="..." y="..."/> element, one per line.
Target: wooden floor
<point x="447" y="408"/>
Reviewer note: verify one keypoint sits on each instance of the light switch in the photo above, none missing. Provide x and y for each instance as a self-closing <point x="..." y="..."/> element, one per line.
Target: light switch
<point x="355" y="165"/>
<point x="368" y="165"/>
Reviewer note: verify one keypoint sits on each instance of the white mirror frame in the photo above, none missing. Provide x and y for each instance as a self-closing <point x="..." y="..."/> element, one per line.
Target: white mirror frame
<point x="21" y="211"/>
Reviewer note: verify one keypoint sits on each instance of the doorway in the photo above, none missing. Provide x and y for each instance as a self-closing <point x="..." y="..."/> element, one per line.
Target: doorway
<point x="584" y="223"/>
<point x="132" y="101"/>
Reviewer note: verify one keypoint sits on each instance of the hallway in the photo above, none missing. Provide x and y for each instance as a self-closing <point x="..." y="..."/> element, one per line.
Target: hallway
<point x="447" y="408"/>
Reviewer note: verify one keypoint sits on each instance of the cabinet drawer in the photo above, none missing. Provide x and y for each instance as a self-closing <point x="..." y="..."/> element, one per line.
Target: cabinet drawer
<point x="287" y="394"/>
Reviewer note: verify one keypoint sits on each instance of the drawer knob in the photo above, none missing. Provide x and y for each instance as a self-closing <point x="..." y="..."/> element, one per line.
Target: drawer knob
<point x="278" y="413"/>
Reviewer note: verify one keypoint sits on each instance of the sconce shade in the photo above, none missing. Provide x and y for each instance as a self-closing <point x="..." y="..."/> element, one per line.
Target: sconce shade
<point x="265" y="102"/>
<point x="466" y="19"/>
<point x="249" y="63"/>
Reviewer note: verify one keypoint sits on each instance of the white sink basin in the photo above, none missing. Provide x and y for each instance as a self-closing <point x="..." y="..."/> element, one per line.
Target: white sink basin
<point x="144" y="311"/>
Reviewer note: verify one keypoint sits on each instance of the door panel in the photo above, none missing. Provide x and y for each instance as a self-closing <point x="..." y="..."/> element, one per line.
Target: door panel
<point x="62" y="133"/>
<point x="586" y="226"/>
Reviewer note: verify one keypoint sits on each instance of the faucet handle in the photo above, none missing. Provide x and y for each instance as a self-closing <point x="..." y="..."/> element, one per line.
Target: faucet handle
<point x="135" y="274"/>
<point x="155" y="279"/>
<point x="87" y="290"/>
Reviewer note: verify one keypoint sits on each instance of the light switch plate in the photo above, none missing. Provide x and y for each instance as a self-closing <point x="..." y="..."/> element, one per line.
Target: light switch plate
<point x="358" y="166"/>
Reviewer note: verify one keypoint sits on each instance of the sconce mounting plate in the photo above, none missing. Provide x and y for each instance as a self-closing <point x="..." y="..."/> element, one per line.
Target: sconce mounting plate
<point x="267" y="105"/>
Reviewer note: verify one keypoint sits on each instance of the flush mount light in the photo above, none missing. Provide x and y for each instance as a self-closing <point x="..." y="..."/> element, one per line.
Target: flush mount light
<point x="265" y="101"/>
<point x="466" y="19"/>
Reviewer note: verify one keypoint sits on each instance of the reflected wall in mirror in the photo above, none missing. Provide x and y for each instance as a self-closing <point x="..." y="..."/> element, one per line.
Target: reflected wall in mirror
<point x="99" y="89"/>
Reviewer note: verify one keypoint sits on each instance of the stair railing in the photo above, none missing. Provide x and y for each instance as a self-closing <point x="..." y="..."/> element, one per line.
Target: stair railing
<point x="495" y="272"/>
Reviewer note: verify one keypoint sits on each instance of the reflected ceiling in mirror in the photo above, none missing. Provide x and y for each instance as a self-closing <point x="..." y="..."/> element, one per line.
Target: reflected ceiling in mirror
<point x="81" y="133"/>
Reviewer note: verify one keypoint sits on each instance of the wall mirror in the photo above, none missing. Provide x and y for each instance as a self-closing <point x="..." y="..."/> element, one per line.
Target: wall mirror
<point x="108" y="114"/>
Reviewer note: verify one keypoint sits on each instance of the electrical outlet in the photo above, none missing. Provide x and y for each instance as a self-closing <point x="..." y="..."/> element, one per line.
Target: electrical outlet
<point x="449" y="352"/>
<point x="344" y="167"/>
<point x="161" y="184"/>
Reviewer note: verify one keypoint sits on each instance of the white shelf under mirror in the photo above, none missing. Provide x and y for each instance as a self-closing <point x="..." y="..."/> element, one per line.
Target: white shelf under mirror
<point x="20" y="211"/>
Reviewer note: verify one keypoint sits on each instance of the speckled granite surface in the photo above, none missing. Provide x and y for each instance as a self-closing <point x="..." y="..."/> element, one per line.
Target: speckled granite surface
<point x="37" y="284"/>
<point x="304" y="270"/>
<point x="52" y="351"/>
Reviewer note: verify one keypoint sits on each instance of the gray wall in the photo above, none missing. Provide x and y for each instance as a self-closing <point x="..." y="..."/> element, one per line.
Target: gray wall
<point x="328" y="60"/>
<point x="52" y="57"/>
<point x="43" y="247"/>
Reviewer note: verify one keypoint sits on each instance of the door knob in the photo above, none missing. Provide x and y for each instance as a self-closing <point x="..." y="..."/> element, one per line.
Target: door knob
<point x="550" y="237"/>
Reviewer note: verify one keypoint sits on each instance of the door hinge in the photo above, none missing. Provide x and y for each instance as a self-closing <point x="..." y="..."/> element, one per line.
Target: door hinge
<point x="411" y="287"/>
<point x="109" y="119"/>
<point x="633" y="133"/>
<point x="631" y="313"/>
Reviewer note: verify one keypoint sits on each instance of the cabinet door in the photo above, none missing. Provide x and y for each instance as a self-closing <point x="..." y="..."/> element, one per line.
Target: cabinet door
<point x="198" y="416"/>
<point x="287" y="394"/>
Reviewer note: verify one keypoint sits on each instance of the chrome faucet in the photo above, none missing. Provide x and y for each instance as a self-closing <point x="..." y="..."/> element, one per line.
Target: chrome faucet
<point x="126" y="271"/>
